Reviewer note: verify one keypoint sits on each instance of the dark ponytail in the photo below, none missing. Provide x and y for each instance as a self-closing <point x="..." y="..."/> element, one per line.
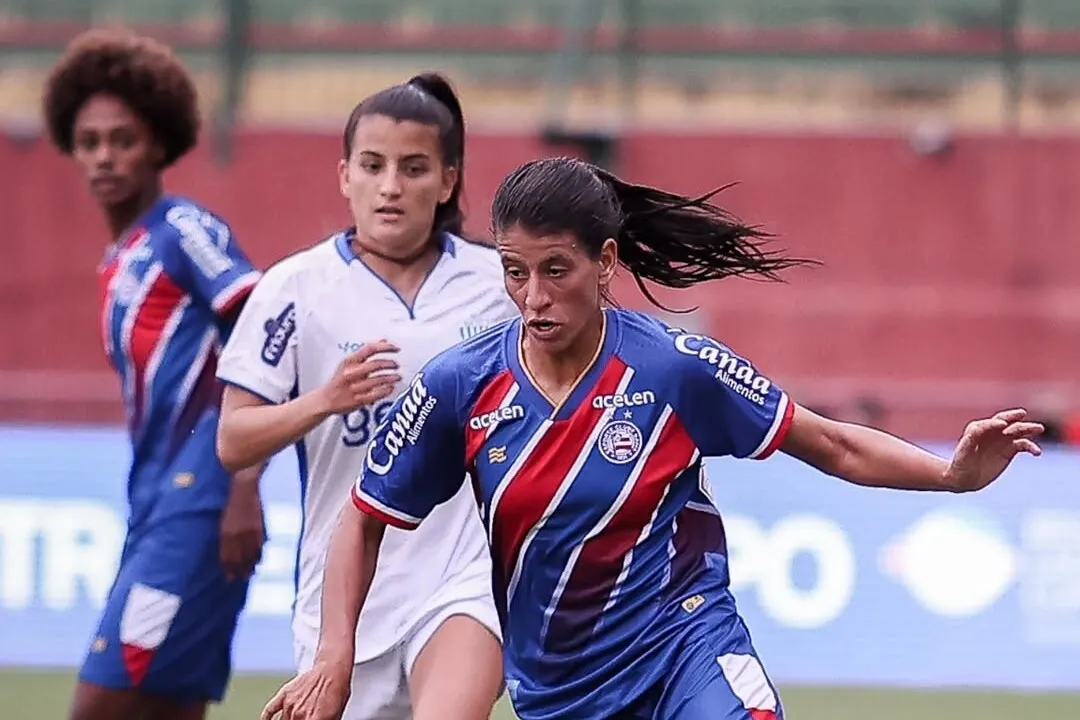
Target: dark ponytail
<point x="678" y="242"/>
<point x="428" y="99"/>
<point x="665" y="238"/>
<point x="449" y="216"/>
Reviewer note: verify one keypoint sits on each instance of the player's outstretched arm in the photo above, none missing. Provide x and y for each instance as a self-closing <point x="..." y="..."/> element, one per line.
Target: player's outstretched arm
<point x="866" y="456"/>
<point x="321" y="692"/>
<point x="758" y="417"/>
<point x="252" y="430"/>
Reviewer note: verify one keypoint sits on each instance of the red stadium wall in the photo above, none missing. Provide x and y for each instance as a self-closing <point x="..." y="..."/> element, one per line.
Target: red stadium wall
<point x="949" y="285"/>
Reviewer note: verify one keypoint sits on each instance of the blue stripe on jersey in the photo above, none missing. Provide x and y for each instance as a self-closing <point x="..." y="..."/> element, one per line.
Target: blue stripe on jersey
<point x="302" y="465"/>
<point x="576" y="517"/>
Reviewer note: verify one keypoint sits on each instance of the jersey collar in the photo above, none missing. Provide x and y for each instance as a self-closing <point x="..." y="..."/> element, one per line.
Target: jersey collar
<point x="345" y="251"/>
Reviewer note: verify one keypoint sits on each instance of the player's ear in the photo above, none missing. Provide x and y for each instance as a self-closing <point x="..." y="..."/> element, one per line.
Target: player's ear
<point x="608" y="261"/>
<point x="449" y="182"/>
<point x="343" y="177"/>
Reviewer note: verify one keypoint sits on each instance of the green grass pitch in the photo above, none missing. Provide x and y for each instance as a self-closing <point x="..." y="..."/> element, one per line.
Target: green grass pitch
<point x="39" y="695"/>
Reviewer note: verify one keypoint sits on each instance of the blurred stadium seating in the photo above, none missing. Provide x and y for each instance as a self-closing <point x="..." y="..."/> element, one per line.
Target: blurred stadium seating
<point x="963" y="14"/>
<point x="789" y="62"/>
<point x="921" y="251"/>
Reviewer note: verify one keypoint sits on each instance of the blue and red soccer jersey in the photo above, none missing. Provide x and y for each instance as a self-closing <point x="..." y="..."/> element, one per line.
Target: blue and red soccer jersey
<point x="610" y="557"/>
<point x="168" y="292"/>
<point x="165" y="290"/>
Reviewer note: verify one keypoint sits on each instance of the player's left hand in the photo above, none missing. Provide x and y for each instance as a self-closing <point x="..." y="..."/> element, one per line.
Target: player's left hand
<point x="242" y="532"/>
<point x="988" y="446"/>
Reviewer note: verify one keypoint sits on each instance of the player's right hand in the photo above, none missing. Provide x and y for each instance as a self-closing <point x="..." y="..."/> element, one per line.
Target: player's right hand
<point x="318" y="694"/>
<point x="363" y="378"/>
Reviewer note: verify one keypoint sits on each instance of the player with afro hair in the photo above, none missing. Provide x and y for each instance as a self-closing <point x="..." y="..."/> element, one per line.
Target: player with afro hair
<point x="124" y="109"/>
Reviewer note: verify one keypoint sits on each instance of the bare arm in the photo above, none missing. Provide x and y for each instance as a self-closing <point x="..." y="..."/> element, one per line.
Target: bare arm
<point x="863" y="455"/>
<point x="347" y="576"/>
<point x="249" y="476"/>
<point x="242" y="531"/>
<point x="252" y="431"/>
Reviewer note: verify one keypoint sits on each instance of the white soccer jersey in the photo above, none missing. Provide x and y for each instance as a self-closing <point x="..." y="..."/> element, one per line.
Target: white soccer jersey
<point x="307" y="313"/>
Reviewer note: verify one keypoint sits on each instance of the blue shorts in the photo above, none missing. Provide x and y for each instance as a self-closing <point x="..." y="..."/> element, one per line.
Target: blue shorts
<point x="716" y="676"/>
<point x="168" y="624"/>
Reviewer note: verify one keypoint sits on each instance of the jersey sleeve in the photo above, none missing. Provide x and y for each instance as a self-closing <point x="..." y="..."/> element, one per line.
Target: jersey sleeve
<point x="213" y="268"/>
<point x="727" y="405"/>
<point x="260" y="355"/>
<point x="416" y="459"/>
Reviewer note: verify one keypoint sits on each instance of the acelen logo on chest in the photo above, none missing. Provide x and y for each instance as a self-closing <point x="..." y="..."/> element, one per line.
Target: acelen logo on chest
<point x="490" y="419"/>
<point x="629" y="400"/>
<point x="404" y="425"/>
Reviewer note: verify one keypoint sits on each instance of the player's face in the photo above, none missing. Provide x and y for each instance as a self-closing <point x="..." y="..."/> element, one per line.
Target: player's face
<point x="115" y="150"/>
<point x="393" y="181"/>
<point x="556" y="284"/>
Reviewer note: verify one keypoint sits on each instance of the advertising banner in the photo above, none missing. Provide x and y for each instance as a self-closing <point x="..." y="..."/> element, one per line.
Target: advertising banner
<point x="838" y="584"/>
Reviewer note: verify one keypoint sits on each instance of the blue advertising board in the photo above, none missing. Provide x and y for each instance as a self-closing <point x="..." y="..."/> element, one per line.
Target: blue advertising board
<point x="839" y="584"/>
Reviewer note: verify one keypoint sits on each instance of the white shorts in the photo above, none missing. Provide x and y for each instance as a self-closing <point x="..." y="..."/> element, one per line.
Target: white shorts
<point x="380" y="689"/>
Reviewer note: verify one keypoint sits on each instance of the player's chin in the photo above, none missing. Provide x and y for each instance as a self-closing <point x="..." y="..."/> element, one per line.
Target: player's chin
<point x="110" y="196"/>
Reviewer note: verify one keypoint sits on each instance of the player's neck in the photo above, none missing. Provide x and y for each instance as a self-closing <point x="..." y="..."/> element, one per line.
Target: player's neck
<point x="404" y="276"/>
<point x="123" y="216"/>
<point x="558" y="373"/>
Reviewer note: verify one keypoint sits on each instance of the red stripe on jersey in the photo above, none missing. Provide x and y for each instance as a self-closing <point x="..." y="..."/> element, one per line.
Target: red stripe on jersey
<point x="490" y="398"/>
<point x="148" y="331"/>
<point x="107" y="270"/>
<point x="603" y="557"/>
<point x="529" y="493"/>
<point x="756" y="714"/>
<point x="781" y="431"/>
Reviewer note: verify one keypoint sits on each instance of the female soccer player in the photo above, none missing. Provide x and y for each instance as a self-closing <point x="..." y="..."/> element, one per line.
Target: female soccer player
<point x="172" y="281"/>
<point x="312" y="363"/>
<point x="583" y="429"/>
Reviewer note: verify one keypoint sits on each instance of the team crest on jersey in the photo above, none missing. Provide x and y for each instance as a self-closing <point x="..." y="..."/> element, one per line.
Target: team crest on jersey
<point x="620" y="442"/>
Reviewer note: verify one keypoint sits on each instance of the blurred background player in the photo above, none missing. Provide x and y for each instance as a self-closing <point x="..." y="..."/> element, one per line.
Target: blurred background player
<point x="172" y="282"/>
<point x="308" y="365"/>
<point x="609" y="552"/>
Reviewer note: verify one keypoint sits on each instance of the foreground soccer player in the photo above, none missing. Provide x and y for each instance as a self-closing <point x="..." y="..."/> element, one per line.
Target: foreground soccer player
<point x="304" y="366"/>
<point x="584" y="430"/>
<point x="172" y="282"/>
